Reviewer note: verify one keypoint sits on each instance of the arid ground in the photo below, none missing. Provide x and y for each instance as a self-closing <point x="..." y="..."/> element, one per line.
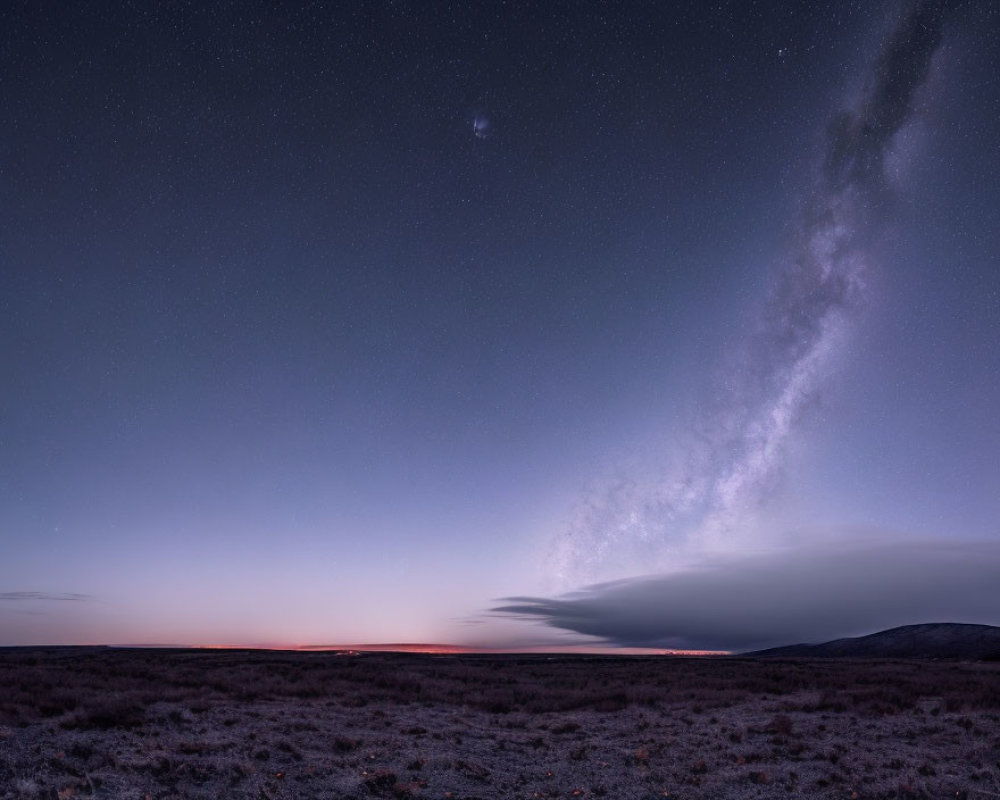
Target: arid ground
<point x="163" y="724"/>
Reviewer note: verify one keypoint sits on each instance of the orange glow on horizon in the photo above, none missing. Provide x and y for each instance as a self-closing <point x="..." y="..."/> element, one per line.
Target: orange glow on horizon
<point x="456" y="649"/>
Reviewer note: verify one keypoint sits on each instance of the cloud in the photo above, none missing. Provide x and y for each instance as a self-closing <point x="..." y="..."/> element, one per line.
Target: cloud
<point x="59" y="596"/>
<point x="786" y="597"/>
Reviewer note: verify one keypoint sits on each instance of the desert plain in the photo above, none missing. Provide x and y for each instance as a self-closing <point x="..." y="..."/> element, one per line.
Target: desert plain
<point x="138" y="724"/>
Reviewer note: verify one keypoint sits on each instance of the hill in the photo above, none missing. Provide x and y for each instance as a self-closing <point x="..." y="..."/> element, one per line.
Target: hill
<point x="950" y="640"/>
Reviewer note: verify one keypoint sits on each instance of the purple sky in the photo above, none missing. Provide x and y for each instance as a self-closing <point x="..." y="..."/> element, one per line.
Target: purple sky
<point x="341" y="324"/>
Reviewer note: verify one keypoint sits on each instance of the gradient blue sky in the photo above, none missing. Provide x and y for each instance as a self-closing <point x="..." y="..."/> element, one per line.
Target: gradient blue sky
<point x="295" y="350"/>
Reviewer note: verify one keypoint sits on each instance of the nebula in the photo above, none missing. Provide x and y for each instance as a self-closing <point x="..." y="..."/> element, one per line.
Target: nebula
<point x="734" y="455"/>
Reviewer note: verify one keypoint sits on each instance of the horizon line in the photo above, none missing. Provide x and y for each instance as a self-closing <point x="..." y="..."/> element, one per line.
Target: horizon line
<point x="429" y="648"/>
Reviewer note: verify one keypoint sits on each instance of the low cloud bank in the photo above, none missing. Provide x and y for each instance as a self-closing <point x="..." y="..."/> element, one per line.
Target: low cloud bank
<point x="787" y="597"/>
<point x="24" y="596"/>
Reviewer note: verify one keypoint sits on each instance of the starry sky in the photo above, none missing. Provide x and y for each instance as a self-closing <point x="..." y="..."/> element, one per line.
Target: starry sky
<point x="501" y="324"/>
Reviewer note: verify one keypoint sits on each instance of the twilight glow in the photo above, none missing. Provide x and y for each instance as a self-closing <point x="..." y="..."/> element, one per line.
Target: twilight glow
<point x="536" y="326"/>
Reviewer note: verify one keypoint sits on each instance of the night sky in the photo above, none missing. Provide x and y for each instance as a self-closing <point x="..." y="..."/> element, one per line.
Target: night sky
<point x="501" y="324"/>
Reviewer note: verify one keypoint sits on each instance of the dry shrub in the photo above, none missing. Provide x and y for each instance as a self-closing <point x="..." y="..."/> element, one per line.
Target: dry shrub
<point x="566" y="727"/>
<point x="107" y="713"/>
<point x="343" y="744"/>
<point x="780" y="725"/>
<point x="380" y="782"/>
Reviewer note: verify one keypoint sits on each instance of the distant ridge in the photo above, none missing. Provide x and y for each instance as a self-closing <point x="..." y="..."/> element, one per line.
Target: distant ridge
<point x="951" y="640"/>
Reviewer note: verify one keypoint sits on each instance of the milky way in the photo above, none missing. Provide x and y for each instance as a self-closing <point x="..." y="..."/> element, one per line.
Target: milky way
<point x="734" y="455"/>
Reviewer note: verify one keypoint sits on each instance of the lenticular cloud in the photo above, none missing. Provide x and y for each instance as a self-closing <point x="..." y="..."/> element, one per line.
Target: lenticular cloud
<point x="735" y="454"/>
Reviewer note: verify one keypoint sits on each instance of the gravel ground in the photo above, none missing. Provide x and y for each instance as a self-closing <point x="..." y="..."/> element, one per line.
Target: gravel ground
<point x="210" y="724"/>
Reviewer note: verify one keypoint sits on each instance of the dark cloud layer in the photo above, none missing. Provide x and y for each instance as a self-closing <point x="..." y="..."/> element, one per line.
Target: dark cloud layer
<point x="805" y="595"/>
<point x="22" y="596"/>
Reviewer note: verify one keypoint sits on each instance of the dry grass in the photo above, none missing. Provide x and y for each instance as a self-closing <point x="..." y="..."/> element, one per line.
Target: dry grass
<point x="192" y="724"/>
